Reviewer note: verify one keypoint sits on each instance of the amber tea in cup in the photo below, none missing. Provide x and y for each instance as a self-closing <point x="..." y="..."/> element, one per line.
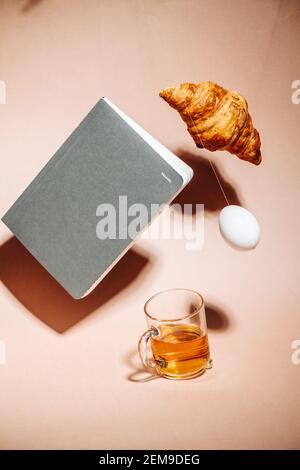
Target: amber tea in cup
<point x="176" y="344"/>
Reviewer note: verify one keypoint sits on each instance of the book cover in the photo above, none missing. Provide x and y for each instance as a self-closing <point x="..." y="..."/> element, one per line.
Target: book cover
<point x="108" y="156"/>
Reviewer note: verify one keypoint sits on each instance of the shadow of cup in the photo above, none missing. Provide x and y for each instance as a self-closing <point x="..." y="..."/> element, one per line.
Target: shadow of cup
<point x="140" y="373"/>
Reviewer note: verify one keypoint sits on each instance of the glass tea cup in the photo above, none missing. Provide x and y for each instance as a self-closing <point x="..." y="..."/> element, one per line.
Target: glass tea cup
<point x="175" y="345"/>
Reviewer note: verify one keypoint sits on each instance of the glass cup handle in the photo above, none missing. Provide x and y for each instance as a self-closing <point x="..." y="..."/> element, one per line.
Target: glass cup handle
<point x="150" y="363"/>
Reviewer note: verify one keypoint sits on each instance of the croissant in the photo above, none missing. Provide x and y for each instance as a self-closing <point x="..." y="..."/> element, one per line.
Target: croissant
<point x="217" y="119"/>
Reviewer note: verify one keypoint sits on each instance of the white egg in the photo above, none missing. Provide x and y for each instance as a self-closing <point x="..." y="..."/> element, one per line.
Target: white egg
<point x="239" y="227"/>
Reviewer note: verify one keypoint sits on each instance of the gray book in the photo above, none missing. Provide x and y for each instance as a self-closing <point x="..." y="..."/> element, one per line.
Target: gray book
<point x="108" y="160"/>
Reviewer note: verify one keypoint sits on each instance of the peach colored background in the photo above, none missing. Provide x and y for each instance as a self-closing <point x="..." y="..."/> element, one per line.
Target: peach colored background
<point x="73" y="378"/>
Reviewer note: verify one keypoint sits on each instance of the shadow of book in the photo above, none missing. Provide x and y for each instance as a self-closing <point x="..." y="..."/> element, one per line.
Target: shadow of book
<point x="43" y="296"/>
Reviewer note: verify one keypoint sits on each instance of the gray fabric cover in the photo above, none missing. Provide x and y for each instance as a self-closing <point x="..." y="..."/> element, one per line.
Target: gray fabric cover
<point x="55" y="217"/>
